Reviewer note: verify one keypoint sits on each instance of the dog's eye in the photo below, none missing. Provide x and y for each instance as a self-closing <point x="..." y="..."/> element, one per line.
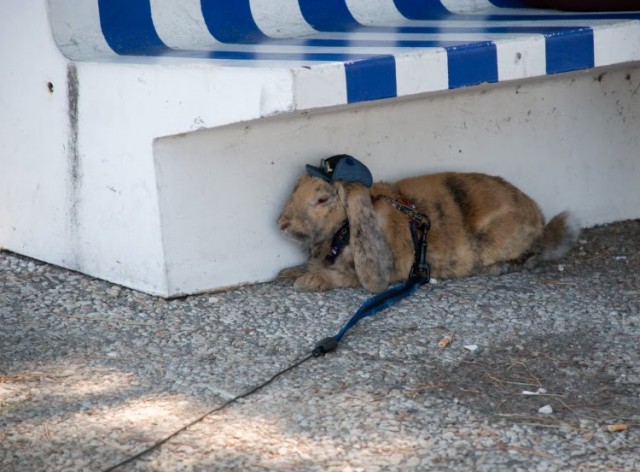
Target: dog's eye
<point x="322" y="200"/>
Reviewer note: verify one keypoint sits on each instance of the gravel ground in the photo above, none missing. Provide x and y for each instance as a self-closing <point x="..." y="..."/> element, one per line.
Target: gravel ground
<point x="92" y="373"/>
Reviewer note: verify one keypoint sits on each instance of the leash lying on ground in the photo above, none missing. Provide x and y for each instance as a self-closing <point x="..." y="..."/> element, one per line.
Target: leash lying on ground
<point x="156" y="445"/>
<point x="370" y="307"/>
<point x="419" y="275"/>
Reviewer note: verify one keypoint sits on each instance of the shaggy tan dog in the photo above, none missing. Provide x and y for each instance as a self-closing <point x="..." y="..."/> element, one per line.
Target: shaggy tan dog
<point x="479" y="224"/>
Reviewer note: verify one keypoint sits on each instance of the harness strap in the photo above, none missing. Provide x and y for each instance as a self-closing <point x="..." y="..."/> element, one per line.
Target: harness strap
<point x="338" y="243"/>
<point x="420" y="225"/>
<point x="418" y="222"/>
<point x="406" y="206"/>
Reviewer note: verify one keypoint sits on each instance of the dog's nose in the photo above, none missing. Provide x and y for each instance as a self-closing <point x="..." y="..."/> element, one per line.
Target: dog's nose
<point x="283" y="223"/>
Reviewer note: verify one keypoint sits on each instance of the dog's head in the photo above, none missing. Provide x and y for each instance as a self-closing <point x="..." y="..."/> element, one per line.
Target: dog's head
<point x="313" y="212"/>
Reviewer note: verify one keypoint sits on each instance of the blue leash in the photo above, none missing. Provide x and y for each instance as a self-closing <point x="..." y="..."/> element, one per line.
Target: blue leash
<point x="370" y="307"/>
<point x="348" y="168"/>
<point x="420" y="275"/>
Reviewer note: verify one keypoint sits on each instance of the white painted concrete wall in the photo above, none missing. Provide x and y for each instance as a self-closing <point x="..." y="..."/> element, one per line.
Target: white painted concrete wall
<point x="77" y="179"/>
<point x="36" y="192"/>
<point x="571" y="142"/>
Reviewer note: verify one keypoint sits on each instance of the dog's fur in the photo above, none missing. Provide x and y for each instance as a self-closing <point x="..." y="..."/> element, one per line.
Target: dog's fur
<point x="479" y="224"/>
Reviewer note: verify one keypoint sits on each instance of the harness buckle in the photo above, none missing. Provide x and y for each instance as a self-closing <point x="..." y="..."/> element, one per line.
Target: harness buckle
<point x="421" y="269"/>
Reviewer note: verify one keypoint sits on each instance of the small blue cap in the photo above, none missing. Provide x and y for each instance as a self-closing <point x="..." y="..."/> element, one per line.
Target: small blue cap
<point x="342" y="167"/>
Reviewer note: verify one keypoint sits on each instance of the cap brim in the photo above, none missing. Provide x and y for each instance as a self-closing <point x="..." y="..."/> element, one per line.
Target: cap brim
<point x="315" y="172"/>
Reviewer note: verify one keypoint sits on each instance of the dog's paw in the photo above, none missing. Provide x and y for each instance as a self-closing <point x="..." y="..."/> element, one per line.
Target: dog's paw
<point x="292" y="273"/>
<point x="311" y="281"/>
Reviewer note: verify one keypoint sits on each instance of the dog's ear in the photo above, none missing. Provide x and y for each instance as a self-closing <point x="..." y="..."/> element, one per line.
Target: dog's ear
<point x="371" y="252"/>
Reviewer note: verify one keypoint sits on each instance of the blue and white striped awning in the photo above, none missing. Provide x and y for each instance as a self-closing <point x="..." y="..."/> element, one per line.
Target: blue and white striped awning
<point x="384" y="48"/>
